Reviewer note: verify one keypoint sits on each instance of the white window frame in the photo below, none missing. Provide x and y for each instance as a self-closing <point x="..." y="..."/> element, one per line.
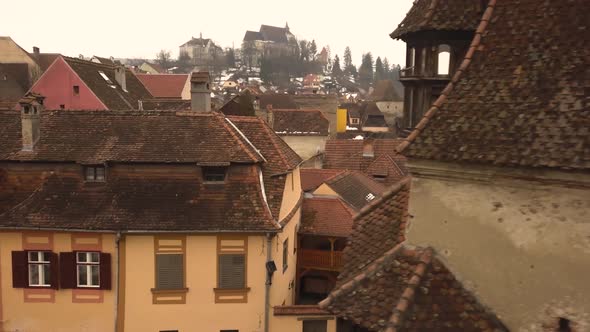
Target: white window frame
<point x="88" y="265"/>
<point x="36" y="260"/>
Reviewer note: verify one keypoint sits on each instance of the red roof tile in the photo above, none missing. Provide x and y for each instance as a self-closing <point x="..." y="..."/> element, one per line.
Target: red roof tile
<point x="312" y="178"/>
<point x="135" y="136"/>
<point x="164" y="85"/>
<point x="299" y="122"/>
<point x="520" y="97"/>
<point x="326" y="217"/>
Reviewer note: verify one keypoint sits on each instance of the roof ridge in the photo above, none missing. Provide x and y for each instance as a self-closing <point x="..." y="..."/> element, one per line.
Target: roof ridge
<point x="353" y="281"/>
<point x="407" y="297"/>
<point x="83" y="61"/>
<point x="338" y="176"/>
<point x="475" y="44"/>
<point x="394" y="189"/>
<point x="237" y="138"/>
<point x="274" y="143"/>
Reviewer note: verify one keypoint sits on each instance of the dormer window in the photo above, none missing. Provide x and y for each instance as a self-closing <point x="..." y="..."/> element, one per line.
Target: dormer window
<point x="214" y="174"/>
<point x="95" y="173"/>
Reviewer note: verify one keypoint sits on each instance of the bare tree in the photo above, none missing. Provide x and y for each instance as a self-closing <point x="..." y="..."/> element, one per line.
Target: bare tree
<point x="163" y="58"/>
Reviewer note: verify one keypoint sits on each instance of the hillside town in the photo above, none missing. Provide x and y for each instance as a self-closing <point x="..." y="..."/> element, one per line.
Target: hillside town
<point x="277" y="187"/>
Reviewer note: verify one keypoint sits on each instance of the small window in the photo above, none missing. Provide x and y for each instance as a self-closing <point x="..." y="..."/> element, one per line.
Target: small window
<point x="379" y="178"/>
<point x="354" y="121"/>
<point x="95" y="174"/>
<point x="564" y="325"/>
<point x="62" y="106"/>
<point x="214" y="174"/>
<point x="76" y="90"/>
<point x="315" y="325"/>
<point x="370" y="197"/>
<point x="169" y="271"/>
<point x="285" y="255"/>
<point x="444" y="59"/>
<point x="39" y="269"/>
<point x="105" y="77"/>
<point x="232" y="271"/>
<point x="88" y="269"/>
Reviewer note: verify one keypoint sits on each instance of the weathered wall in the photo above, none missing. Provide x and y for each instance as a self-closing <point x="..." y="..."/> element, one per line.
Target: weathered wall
<point x="306" y="146"/>
<point x="10" y="52"/>
<point x="328" y="104"/>
<point x="392" y="110"/>
<point x="522" y="246"/>
<point x="200" y="309"/>
<point x="62" y="93"/>
<point x="47" y="310"/>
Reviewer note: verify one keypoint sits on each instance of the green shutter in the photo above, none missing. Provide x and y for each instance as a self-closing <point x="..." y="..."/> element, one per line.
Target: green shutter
<point x="232" y="270"/>
<point x="169" y="271"/>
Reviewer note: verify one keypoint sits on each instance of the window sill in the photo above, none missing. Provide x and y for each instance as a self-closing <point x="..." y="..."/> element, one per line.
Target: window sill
<point x="224" y="295"/>
<point x="169" y="296"/>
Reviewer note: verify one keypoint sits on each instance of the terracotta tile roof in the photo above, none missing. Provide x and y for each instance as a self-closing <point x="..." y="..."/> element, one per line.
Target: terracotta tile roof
<point x="455" y="15"/>
<point x="166" y="104"/>
<point x="299" y="122"/>
<point x="299" y="310"/>
<point x="45" y="59"/>
<point x="355" y="188"/>
<point x="348" y="154"/>
<point x="164" y="85"/>
<point x="410" y="290"/>
<point x="377" y="228"/>
<point x="241" y="105"/>
<point x="386" y="286"/>
<point x="15" y="85"/>
<point x="326" y="217"/>
<point x="106" y="61"/>
<point x="312" y="178"/>
<point x="280" y="101"/>
<point x="135" y="136"/>
<point x="154" y="204"/>
<point x="111" y="94"/>
<point x="386" y="166"/>
<point x="280" y="158"/>
<point x="516" y="108"/>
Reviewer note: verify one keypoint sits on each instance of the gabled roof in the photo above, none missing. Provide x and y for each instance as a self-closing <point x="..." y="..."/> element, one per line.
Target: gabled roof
<point x="275" y="100"/>
<point x="425" y="15"/>
<point x="241" y="105"/>
<point x="385" y="165"/>
<point x="197" y="42"/>
<point x="140" y="204"/>
<point x="312" y="178"/>
<point x="110" y="94"/>
<point x="274" y="34"/>
<point x="386" y="286"/>
<point x="156" y="67"/>
<point x="253" y="35"/>
<point x="299" y="122"/>
<point x="348" y="153"/>
<point x="516" y="109"/>
<point x="16" y="84"/>
<point x="164" y="85"/>
<point x="385" y="91"/>
<point x="128" y="136"/>
<point x="106" y="61"/>
<point x="44" y="60"/>
<point x="281" y="159"/>
<point x="326" y="217"/>
<point x="355" y="188"/>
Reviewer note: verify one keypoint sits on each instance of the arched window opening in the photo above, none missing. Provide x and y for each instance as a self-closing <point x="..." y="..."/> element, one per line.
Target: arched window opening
<point x="444" y="60"/>
<point x="564" y="325"/>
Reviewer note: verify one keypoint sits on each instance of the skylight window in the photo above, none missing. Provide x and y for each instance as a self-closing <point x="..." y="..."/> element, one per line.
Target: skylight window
<point x="107" y="79"/>
<point x="370" y="197"/>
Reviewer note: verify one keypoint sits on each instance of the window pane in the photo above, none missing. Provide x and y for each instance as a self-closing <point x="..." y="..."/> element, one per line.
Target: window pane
<point x="82" y="275"/>
<point x="81" y="257"/>
<point x="33" y="256"/>
<point x="94" y="257"/>
<point x="95" y="273"/>
<point x="100" y="174"/>
<point x="45" y="256"/>
<point x="33" y="274"/>
<point x="90" y="173"/>
<point x="46" y="274"/>
<point x="232" y="271"/>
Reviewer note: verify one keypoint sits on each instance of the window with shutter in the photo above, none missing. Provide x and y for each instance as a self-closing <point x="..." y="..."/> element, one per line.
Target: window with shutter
<point x="232" y="270"/>
<point x="315" y="326"/>
<point x="169" y="271"/>
<point x="20" y="273"/>
<point x="285" y="255"/>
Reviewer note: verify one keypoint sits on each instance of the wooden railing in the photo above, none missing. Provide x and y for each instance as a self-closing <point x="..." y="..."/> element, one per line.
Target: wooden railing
<point x="320" y="259"/>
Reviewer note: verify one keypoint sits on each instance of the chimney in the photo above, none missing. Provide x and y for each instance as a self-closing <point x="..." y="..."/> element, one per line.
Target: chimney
<point x="368" y="151"/>
<point x="200" y="92"/>
<point x="31" y="107"/>
<point x="36" y="52"/>
<point x="120" y="77"/>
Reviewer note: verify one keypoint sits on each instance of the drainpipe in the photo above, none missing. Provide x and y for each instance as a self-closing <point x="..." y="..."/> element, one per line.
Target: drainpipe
<point x="117" y="249"/>
<point x="268" y="283"/>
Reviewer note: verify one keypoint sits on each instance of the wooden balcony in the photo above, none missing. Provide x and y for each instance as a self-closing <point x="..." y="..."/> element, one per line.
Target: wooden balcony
<point x="320" y="259"/>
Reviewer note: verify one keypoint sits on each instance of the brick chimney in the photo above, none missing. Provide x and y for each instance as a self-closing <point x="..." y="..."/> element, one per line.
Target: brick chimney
<point x="31" y="107"/>
<point x="200" y="92"/>
<point x="120" y="77"/>
<point x="36" y="52"/>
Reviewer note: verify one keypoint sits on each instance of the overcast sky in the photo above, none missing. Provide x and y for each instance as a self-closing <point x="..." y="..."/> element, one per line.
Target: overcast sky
<point x="139" y="28"/>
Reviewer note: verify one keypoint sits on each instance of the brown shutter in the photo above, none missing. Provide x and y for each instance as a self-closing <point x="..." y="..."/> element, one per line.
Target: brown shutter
<point x="54" y="270"/>
<point x="67" y="270"/>
<point x="105" y="271"/>
<point x="20" y="271"/>
<point x="232" y="271"/>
